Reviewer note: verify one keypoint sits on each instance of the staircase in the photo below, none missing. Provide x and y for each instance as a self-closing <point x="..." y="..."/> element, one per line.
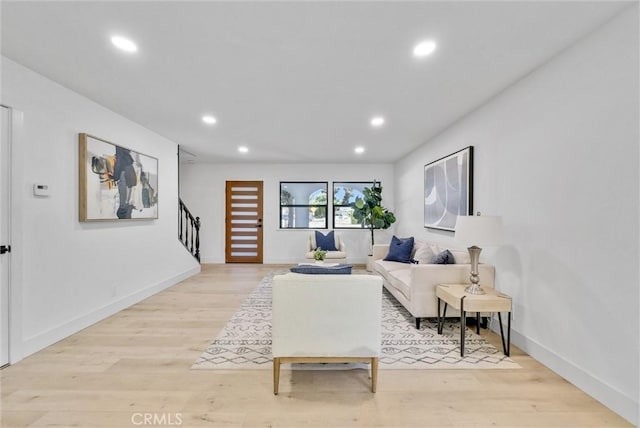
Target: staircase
<point x="189" y="230"/>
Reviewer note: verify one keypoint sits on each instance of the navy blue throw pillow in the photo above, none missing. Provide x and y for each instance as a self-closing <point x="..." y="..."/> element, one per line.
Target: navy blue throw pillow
<point x="400" y="250"/>
<point x="444" y="258"/>
<point x="327" y="243"/>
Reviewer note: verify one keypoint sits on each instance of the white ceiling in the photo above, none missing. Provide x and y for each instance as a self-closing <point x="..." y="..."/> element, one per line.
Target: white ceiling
<point x="293" y="81"/>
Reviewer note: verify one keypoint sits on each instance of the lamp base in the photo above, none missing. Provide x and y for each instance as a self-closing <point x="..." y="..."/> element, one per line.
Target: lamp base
<point x="474" y="278"/>
<point x="474" y="289"/>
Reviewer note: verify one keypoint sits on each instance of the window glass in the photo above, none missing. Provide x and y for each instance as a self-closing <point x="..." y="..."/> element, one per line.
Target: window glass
<point x="344" y="196"/>
<point x="303" y="205"/>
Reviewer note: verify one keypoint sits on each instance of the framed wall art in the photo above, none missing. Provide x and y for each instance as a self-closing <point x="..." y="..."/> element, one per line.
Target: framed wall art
<point x="116" y="183"/>
<point x="448" y="189"/>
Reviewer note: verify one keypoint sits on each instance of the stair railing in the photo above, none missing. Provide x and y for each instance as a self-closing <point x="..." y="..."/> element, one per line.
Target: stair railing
<point x="189" y="230"/>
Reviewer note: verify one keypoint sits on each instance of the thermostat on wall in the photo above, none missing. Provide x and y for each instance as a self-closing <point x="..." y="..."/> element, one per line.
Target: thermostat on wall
<point x="41" y="190"/>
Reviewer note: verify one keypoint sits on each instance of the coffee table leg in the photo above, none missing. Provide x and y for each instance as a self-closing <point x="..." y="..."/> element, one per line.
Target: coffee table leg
<point x="478" y="322"/>
<point x="463" y="325"/>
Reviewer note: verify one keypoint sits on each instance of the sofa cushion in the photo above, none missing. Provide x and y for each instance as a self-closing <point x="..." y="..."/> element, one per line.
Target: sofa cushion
<point x="417" y="245"/>
<point x="401" y="280"/>
<point x="326" y="242"/>
<point x="383" y="266"/>
<point x="444" y="258"/>
<point x="400" y="250"/>
<point x="461" y="256"/>
<point x="424" y="253"/>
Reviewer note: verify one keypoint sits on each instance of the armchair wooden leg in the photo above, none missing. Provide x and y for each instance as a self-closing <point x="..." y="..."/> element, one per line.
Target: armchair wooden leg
<point x="374" y="374"/>
<point x="276" y="375"/>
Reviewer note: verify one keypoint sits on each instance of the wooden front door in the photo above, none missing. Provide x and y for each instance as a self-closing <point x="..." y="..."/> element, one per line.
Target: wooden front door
<point x="243" y="243"/>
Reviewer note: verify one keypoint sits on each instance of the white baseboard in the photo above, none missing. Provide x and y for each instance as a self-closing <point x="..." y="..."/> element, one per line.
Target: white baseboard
<point x="614" y="399"/>
<point x="211" y="260"/>
<point x="55" y="334"/>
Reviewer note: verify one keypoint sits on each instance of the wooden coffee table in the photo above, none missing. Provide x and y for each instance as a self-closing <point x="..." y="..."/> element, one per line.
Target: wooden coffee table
<point x="491" y="301"/>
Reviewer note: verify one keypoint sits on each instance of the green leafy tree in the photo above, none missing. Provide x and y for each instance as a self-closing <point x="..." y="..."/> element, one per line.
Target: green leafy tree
<point x="287" y="199"/>
<point x="370" y="213"/>
<point x="346" y="196"/>
<point x="319" y="199"/>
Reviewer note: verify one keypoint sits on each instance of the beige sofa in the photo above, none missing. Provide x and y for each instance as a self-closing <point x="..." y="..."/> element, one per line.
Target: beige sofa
<point x="326" y="319"/>
<point x="414" y="285"/>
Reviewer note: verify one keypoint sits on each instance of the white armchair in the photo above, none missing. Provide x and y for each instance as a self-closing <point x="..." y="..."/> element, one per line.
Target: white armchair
<point x="339" y="256"/>
<point x="326" y="319"/>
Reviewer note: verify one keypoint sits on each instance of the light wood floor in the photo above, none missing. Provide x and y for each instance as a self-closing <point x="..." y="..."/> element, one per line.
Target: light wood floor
<point x="138" y="362"/>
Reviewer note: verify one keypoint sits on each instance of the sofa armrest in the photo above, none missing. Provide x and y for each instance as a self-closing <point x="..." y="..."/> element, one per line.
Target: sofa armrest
<point x="380" y="251"/>
<point x="341" y="245"/>
<point x="425" y="278"/>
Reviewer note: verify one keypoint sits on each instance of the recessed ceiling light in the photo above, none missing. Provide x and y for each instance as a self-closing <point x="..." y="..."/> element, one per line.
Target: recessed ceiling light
<point x="209" y="120"/>
<point x="359" y="150"/>
<point x="243" y="149"/>
<point x="377" y="121"/>
<point x="424" y="48"/>
<point x="124" y="44"/>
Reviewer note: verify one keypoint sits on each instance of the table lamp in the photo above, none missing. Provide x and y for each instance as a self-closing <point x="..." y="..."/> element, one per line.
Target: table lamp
<point x="477" y="230"/>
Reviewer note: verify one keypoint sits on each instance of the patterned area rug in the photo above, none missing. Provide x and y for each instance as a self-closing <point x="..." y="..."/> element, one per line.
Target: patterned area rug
<point x="245" y="342"/>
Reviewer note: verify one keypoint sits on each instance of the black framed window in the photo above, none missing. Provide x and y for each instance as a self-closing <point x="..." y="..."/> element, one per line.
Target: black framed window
<point x="345" y="194"/>
<point x="303" y="204"/>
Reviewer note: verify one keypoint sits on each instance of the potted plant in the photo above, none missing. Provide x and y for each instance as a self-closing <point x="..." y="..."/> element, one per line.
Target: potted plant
<point x="370" y="213"/>
<point x="319" y="254"/>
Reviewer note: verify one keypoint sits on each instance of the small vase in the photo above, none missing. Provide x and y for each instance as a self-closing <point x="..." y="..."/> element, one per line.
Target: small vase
<point x="319" y="262"/>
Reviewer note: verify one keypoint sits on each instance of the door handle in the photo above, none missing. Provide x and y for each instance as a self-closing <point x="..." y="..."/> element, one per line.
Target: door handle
<point x="259" y="223"/>
<point x="5" y="249"/>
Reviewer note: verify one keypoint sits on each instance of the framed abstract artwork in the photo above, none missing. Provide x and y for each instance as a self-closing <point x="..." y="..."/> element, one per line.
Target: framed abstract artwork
<point x="448" y="189"/>
<point x="116" y="183"/>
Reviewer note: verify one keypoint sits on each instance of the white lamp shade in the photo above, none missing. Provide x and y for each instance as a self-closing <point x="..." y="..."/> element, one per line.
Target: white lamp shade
<point x="479" y="230"/>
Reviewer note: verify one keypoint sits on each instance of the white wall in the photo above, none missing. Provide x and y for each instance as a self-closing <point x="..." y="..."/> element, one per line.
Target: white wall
<point x="203" y="190"/>
<point x="556" y="155"/>
<point x="70" y="274"/>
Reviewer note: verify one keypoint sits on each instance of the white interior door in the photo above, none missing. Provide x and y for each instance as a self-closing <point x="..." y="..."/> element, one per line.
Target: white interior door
<point x="5" y="199"/>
